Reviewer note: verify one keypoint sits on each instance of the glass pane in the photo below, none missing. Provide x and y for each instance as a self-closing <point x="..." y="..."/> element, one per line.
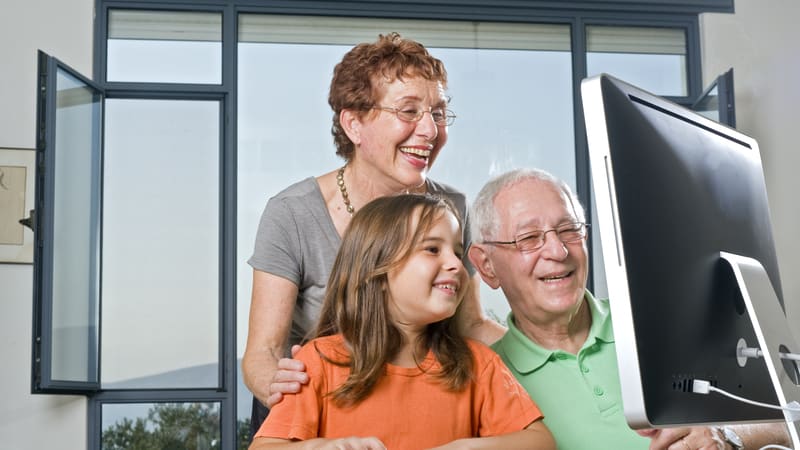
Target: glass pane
<point x="717" y="101"/>
<point x="708" y="105"/>
<point x="525" y="119"/>
<point x="651" y="58"/>
<point x="161" y="244"/>
<point x="262" y="28"/>
<point x="76" y="230"/>
<point x="165" y="47"/>
<point x="161" y="426"/>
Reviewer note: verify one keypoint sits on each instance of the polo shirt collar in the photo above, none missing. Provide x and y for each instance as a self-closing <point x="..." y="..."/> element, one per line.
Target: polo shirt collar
<point x="527" y="356"/>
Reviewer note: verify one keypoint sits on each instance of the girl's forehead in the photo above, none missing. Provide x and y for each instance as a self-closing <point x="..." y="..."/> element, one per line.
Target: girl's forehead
<point x="446" y="219"/>
<point x="439" y="217"/>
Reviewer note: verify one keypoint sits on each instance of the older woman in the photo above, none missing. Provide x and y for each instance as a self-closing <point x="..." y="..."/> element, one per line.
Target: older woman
<point x="389" y="124"/>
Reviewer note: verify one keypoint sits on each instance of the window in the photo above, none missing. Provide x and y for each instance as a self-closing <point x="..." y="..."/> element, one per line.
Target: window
<point x="67" y="231"/>
<point x="717" y="102"/>
<point x="651" y="58"/>
<point x="164" y="47"/>
<point x="161" y="191"/>
<point x="161" y="425"/>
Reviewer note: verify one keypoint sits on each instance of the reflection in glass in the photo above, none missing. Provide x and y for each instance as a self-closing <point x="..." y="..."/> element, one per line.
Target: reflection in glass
<point x="651" y="58"/>
<point x="161" y="426"/>
<point x="76" y="231"/>
<point x="161" y="244"/>
<point x="513" y="98"/>
<point x="708" y="105"/>
<point x="164" y="46"/>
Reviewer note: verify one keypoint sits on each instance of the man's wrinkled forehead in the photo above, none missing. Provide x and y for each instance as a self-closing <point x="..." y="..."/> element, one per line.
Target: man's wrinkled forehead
<point x="518" y="197"/>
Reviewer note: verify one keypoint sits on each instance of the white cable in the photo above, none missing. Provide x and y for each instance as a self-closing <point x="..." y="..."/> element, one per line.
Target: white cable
<point x="751" y="352"/>
<point x="792" y="356"/>
<point x="752" y="402"/>
<point x="704" y="387"/>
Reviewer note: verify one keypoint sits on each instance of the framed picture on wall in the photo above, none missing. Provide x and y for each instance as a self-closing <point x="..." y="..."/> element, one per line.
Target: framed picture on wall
<point x="17" y="179"/>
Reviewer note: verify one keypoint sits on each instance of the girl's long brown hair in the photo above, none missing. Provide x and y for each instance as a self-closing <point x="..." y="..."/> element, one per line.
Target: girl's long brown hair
<point x="380" y="237"/>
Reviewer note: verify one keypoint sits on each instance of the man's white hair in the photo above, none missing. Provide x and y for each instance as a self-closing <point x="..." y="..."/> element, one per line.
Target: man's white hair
<point x="484" y="217"/>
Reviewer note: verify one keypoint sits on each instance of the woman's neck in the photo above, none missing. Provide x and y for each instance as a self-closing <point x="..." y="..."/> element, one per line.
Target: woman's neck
<point x="365" y="184"/>
<point x="359" y="186"/>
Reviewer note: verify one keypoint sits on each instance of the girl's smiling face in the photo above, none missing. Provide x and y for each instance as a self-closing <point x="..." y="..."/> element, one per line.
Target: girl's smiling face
<point x="429" y="285"/>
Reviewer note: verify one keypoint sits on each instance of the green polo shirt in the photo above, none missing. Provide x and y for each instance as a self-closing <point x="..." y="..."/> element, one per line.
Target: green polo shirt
<point x="579" y="395"/>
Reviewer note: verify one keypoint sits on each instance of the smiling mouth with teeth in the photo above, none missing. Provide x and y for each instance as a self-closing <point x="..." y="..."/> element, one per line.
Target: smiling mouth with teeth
<point x="416" y="152"/>
<point x="556" y="278"/>
<point x="449" y="287"/>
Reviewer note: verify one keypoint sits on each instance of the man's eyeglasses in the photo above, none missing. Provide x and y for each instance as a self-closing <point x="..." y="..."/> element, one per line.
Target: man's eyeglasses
<point x="440" y="116"/>
<point x="534" y="240"/>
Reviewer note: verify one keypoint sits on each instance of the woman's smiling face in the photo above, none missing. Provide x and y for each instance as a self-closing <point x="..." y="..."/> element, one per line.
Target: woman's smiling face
<point x="403" y="151"/>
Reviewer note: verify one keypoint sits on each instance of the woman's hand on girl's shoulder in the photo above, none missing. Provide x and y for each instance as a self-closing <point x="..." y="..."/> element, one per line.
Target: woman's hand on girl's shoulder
<point x="289" y="378"/>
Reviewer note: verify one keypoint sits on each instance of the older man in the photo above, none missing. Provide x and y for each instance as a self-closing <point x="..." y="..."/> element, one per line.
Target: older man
<point x="530" y="241"/>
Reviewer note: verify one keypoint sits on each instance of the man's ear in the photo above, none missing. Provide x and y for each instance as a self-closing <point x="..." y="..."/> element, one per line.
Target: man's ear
<point x="479" y="258"/>
<point x="351" y="125"/>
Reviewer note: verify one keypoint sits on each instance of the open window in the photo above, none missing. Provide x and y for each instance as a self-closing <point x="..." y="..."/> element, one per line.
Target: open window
<point x="128" y="235"/>
<point x="67" y="230"/>
<point x="717" y="101"/>
<point x="128" y="231"/>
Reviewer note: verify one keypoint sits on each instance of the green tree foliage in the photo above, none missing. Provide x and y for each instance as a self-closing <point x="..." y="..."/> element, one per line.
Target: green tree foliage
<point x="128" y="435"/>
<point x="173" y="426"/>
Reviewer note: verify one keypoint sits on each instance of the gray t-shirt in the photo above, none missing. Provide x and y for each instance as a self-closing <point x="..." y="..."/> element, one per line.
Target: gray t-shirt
<point x="297" y="240"/>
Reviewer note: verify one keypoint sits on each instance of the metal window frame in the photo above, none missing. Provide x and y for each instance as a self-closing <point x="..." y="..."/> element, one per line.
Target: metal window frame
<point x="726" y="106"/>
<point x="42" y="380"/>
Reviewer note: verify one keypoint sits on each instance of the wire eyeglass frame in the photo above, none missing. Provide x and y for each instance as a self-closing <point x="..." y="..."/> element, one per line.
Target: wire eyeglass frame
<point x="534" y="240"/>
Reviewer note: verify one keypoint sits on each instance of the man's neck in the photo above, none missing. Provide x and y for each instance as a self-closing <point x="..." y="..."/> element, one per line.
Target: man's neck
<point x="567" y="333"/>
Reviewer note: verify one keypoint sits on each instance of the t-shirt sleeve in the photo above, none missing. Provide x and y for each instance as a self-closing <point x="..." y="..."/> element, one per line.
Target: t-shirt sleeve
<point x="505" y="406"/>
<point x="277" y="244"/>
<point x="297" y="416"/>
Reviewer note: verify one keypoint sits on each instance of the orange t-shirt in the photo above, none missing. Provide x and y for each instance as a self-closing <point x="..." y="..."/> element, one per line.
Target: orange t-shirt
<point x="408" y="408"/>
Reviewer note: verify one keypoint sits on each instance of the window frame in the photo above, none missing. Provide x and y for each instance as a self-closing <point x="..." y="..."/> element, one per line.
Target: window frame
<point x="726" y="103"/>
<point x="226" y="391"/>
<point x="42" y="380"/>
<point x="577" y="14"/>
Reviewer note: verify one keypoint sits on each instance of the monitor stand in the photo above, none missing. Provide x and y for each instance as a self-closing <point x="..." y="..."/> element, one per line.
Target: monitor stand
<point x="772" y="331"/>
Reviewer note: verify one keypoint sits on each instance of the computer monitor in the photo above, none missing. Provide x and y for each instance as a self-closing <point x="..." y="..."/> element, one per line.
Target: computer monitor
<point x="673" y="189"/>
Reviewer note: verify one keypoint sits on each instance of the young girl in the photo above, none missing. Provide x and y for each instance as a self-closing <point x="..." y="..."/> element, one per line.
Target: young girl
<point x="388" y="368"/>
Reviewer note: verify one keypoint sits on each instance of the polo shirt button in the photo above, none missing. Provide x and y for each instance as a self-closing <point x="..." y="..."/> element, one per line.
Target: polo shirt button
<point x="584" y="369"/>
<point x="598" y="391"/>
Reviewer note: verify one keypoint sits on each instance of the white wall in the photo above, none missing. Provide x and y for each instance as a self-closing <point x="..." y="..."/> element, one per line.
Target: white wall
<point x="62" y="29"/>
<point x="759" y="41"/>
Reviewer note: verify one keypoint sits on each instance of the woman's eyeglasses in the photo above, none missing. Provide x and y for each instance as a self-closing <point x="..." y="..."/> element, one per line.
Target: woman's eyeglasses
<point x="440" y="116"/>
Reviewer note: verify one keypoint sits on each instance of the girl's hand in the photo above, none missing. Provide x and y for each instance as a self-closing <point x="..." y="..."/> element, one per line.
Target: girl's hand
<point x="353" y="443"/>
